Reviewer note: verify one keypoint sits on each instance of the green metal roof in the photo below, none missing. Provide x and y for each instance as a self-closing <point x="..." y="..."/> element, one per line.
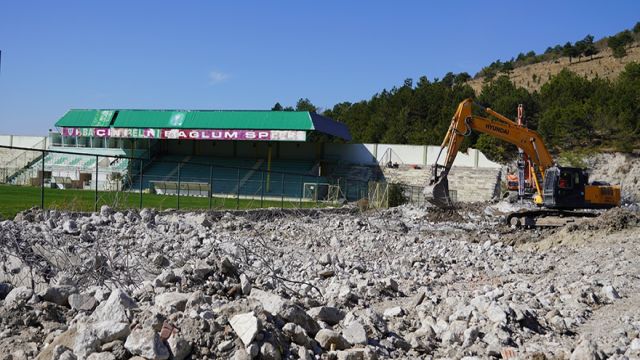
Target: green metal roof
<point x="204" y="119"/>
<point x="211" y="119"/>
<point x="86" y="118"/>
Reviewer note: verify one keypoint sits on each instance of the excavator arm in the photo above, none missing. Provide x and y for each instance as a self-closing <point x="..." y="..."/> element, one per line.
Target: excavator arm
<point x="462" y="124"/>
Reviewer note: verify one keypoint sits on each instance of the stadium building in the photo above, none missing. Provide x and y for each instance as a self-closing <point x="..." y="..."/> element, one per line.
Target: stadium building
<point x="244" y="154"/>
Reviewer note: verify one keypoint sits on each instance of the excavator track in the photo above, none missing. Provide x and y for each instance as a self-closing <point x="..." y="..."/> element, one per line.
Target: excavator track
<point x="546" y="218"/>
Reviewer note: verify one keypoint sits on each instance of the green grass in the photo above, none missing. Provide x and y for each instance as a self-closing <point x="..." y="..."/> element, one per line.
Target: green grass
<point x="14" y="199"/>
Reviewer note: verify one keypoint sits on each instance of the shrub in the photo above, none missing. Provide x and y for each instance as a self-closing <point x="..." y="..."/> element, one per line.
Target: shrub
<point x="396" y="195"/>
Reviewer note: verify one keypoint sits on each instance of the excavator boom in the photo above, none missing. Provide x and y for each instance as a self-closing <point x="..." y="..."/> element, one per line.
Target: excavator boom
<point x="462" y="124"/>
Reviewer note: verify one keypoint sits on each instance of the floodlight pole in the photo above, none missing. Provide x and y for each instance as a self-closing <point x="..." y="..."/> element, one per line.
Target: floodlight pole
<point x="282" y="193"/>
<point x="238" y="189"/>
<point x="95" y="205"/>
<point x="210" y="185"/>
<point x="179" y="168"/>
<point x="262" y="185"/>
<point x="42" y="183"/>
<point x="301" y="190"/>
<point x="141" y="176"/>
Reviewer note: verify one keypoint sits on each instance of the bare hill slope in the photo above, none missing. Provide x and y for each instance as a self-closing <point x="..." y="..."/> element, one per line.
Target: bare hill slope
<point x="604" y="65"/>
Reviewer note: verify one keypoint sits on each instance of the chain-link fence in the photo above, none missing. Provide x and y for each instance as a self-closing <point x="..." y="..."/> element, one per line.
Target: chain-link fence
<point x="84" y="181"/>
<point x="379" y="194"/>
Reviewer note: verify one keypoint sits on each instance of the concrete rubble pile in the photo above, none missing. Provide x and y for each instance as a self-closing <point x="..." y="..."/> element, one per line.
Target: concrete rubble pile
<point x="403" y="283"/>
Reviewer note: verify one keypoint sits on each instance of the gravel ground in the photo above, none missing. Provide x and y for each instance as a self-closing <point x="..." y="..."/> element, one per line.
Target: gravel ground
<point x="406" y="283"/>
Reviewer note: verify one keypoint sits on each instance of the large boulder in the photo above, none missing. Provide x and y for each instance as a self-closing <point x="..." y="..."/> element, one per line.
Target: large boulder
<point x="146" y="343"/>
<point x="18" y="297"/>
<point x="85" y="342"/>
<point x="272" y="303"/>
<point x="586" y="350"/>
<point x="179" y="346"/>
<point x="328" y="314"/>
<point x="109" y="330"/>
<point x="82" y="302"/>
<point x="172" y="301"/>
<point x="296" y="333"/>
<point x="246" y="326"/>
<point x="117" y="308"/>
<point x="355" y="333"/>
<point x="58" y="294"/>
<point x="297" y="315"/>
<point x="331" y="340"/>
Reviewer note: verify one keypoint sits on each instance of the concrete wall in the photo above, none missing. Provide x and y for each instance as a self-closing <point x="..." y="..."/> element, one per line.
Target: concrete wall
<point x="354" y="153"/>
<point x="404" y="154"/>
<point x="423" y="155"/>
<point x="5" y="140"/>
<point x="23" y="141"/>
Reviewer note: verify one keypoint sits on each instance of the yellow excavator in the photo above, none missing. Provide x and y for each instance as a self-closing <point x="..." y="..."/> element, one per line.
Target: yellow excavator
<point x="560" y="191"/>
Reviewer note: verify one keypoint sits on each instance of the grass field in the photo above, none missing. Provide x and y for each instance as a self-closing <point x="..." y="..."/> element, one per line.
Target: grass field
<point x="14" y="199"/>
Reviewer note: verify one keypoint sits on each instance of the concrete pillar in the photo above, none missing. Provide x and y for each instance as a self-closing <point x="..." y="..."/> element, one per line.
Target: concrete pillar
<point x="424" y="155"/>
<point x="375" y="153"/>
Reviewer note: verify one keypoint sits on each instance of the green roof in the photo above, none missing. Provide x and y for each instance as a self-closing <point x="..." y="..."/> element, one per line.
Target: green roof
<point x="254" y="120"/>
<point x="204" y="119"/>
<point x="86" y="118"/>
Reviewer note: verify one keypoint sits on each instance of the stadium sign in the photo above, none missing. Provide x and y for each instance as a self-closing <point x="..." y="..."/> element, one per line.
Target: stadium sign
<point x="188" y="134"/>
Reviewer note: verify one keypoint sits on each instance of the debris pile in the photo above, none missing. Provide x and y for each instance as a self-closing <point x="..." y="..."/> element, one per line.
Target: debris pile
<point x="615" y="219"/>
<point x="329" y="284"/>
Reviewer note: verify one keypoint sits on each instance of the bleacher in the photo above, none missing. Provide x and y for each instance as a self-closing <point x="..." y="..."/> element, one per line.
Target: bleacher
<point x="69" y="166"/>
<point x="81" y="162"/>
<point x="227" y="173"/>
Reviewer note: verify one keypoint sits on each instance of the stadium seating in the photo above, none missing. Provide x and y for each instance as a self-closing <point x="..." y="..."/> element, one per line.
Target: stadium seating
<point x="227" y="173"/>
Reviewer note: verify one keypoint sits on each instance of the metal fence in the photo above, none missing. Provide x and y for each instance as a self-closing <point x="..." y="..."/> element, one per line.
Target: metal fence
<point x="83" y="181"/>
<point x="414" y="195"/>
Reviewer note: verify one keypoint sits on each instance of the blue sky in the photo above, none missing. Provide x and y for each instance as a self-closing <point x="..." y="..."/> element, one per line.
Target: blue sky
<point x="58" y="55"/>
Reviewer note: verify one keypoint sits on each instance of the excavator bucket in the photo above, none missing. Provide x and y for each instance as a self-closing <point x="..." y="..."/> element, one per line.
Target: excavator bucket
<point x="437" y="193"/>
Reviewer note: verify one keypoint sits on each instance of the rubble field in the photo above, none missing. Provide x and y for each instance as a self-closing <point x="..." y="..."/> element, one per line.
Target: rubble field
<point x="402" y="283"/>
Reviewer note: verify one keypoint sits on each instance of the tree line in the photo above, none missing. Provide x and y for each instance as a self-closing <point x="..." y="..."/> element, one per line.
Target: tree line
<point x="569" y="112"/>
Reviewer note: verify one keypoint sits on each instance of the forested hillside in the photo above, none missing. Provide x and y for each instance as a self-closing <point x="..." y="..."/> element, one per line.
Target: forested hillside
<point x="569" y="110"/>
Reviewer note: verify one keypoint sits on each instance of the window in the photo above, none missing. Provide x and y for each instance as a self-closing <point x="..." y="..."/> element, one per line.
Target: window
<point x="566" y="180"/>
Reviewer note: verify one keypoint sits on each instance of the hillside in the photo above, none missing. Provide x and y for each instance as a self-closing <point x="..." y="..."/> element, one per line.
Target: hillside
<point x="603" y="65"/>
<point x="576" y="109"/>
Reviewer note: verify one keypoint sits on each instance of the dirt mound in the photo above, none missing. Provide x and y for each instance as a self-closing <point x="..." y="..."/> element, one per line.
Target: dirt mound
<point x="615" y="219"/>
<point x="583" y="232"/>
<point x="438" y="215"/>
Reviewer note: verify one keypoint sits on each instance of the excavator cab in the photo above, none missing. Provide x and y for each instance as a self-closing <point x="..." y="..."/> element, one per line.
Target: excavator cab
<point x="568" y="188"/>
<point x="564" y="188"/>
